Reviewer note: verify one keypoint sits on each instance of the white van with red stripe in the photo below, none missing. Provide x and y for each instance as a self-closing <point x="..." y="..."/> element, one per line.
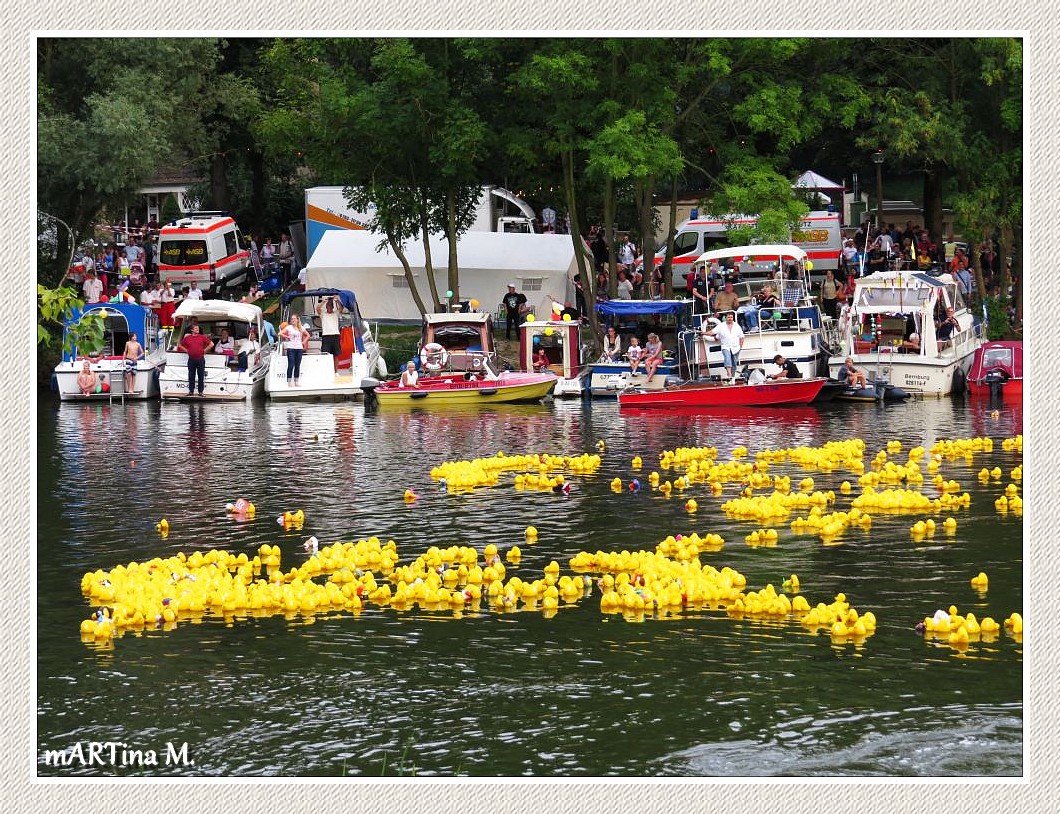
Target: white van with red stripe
<point x="202" y="246"/>
<point x="819" y="237"/>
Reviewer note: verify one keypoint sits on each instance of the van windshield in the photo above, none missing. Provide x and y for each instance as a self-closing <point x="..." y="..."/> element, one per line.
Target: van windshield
<point x="182" y="252"/>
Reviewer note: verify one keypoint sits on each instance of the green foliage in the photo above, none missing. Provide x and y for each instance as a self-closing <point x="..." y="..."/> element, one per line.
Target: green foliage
<point x="170" y="208"/>
<point x="55" y="306"/>
<point x="998" y="325"/>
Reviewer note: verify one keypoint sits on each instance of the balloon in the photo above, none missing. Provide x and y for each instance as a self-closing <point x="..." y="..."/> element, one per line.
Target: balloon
<point x="537" y="339"/>
<point x="448" y="293"/>
<point x="474" y="303"/>
<point x="566" y="317"/>
<point x="531" y="318"/>
<point x="549" y="332"/>
<point x="809" y="265"/>
<point x="104" y="298"/>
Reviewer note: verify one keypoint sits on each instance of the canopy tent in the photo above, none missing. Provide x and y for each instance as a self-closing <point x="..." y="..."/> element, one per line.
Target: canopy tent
<point x="815" y="182"/>
<point x="537" y="265"/>
<point x="768" y="251"/>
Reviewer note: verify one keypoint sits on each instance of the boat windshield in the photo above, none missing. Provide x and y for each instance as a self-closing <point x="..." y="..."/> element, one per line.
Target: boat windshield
<point x="997" y="357"/>
<point x="893" y="298"/>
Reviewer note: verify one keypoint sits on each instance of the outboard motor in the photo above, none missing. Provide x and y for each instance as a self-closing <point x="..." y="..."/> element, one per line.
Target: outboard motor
<point x="995" y="379"/>
<point x="881" y="388"/>
<point x="368" y="385"/>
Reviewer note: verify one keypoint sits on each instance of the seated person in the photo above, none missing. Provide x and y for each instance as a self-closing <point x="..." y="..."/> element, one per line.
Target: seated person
<point x="788" y="369"/>
<point x="945" y="330"/>
<point x="612" y="346"/>
<point x="409" y="376"/>
<point x="248" y="348"/>
<point x="225" y="344"/>
<point x="86" y="379"/>
<point x="634" y="354"/>
<point x="910" y="345"/>
<point x="653" y="355"/>
<point x="853" y="376"/>
<point x="763" y="299"/>
<point x="726" y="299"/>
<point x="540" y="360"/>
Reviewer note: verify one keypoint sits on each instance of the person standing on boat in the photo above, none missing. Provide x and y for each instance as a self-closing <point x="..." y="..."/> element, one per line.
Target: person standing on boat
<point x="514" y="303"/>
<point x="328" y="309"/>
<point x="829" y="293"/>
<point x="196" y="344"/>
<point x="700" y="289"/>
<point x="731" y="337"/>
<point x="295" y="337"/>
<point x="134" y="352"/>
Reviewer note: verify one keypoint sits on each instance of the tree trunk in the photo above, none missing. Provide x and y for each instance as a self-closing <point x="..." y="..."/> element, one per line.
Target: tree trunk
<point x="258" y="192"/>
<point x="400" y="254"/>
<point x="671" y="233"/>
<point x="934" y="177"/>
<point x="580" y="253"/>
<point x="450" y="233"/>
<point x="609" y="236"/>
<point x="647" y="222"/>
<point x="218" y="182"/>
<point x="428" y="260"/>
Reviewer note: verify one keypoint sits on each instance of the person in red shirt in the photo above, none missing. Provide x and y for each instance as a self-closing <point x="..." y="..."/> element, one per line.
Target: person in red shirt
<point x="196" y="345"/>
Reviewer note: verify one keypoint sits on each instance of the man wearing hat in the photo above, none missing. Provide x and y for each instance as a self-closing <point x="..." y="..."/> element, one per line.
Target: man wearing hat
<point x="514" y="306"/>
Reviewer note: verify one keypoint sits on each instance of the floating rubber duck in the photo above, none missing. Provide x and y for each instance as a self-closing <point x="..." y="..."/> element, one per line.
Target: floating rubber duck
<point x="691" y="505"/>
<point x="311" y="545"/>
<point x="980" y="581"/>
<point x="634" y="485"/>
<point x="242" y="506"/>
<point x="565" y="488"/>
<point x="410" y="496"/>
<point x="162" y="526"/>
<point x="295" y="518"/>
<point x="531" y="533"/>
<point x="600" y="445"/>
<point x="636" y="462"/>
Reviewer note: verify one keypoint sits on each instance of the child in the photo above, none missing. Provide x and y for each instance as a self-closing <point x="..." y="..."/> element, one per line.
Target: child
<point x="634" y="353"/>
<point x="540" y="360"/>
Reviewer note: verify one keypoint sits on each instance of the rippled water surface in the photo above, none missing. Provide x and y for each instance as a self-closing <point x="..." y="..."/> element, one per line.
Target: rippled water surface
<point x="580" y="693"/>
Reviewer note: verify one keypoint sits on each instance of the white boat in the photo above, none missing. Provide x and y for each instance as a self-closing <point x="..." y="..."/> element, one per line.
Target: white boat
<point x="225" y="381"/>
<point x="120" y="321"/>
<point x="886" y="309"/>
<point x="795" y="329"/>
<point x="325" y="375"/>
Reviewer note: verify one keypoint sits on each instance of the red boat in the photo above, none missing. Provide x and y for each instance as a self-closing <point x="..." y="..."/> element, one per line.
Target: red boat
<point x="997" y="371"/>
<point x="717" y="394"/>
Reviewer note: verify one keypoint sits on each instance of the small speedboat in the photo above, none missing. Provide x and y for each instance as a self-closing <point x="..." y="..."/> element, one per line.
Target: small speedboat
<point x="708" y="394"/>
<point x="997" y="371"/>
<point x="878" y="390"/>
<point x="469" y="388"/>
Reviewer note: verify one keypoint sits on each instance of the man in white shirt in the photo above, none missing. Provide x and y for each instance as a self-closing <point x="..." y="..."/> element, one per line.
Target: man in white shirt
<point x="328" y="309"/>
<point x="194" y="293"/>
<point x="93" y="288"/>
<point x="147" y="298"/>
<point x="730" y="334"/>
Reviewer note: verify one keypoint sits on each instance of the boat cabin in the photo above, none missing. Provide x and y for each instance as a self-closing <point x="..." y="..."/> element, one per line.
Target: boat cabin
<point x="213" y="315"/>
<point x="120" y="321"/>
<point x="353" y="329"/>
<point x="465" y="338"/>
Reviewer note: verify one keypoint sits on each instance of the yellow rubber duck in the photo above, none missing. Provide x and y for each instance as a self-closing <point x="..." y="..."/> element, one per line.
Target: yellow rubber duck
<point x="980" y="581"/>
<point x="162" y="526"/>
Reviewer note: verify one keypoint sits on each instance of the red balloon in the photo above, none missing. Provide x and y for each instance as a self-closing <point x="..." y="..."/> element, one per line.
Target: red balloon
<point x="104" y="298"/>
<point x="105" y="387"/>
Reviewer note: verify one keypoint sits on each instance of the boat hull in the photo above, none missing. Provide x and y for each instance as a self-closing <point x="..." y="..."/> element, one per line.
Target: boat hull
<point x="1011" y="390"/>
<point x="915" y="374"/>
<point x="709" y="394"/>
<point x="454" y="390"/>
<point x="318" y="378"/>
<point x="608" y="379"/>
<point x="145" y="380"/>
<point x="221" y="383"/>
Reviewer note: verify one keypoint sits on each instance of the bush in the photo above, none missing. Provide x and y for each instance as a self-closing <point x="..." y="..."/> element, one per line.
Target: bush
<point x="997" y="318"/>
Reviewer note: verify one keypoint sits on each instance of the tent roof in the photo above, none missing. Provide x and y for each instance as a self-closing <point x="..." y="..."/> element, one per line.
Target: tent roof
<point x="219" y="309"/>
<point x="813" y="180"/>
<point x="493" y="251"/>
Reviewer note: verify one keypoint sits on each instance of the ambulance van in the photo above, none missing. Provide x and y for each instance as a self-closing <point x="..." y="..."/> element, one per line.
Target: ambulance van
<point x="819" y="237"/>
<point x="202" y="246"/>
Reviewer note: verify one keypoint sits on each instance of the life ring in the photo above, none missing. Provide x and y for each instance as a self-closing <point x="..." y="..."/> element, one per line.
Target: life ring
<point x="380" y="367"/>
<point x="434" y="356"/>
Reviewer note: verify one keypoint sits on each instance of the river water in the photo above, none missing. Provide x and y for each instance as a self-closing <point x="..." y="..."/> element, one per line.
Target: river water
<point x="576" y="693"/>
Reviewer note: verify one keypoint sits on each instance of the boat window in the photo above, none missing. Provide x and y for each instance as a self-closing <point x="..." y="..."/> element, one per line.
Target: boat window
<point x="997" y="357"/>
<point x="182" y="252"/>
<point x="897" y="297"/>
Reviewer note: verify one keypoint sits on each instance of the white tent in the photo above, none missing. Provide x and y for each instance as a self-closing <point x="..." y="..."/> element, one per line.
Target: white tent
<point x="816" y="182"/>
<point x="537" y="265"/>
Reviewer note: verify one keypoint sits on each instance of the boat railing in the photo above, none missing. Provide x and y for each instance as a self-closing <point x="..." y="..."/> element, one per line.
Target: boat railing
<point x="960" y="345"/>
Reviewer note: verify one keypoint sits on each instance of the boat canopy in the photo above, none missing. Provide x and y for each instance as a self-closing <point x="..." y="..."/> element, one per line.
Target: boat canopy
<point x="347" y="298"/>
<point x="220" y="309"/>
<point x="121" y="319"/>
<point x="624" y="308"/>
<point x="1006" y="355"/>
<point x="457" y="318"/>
<point x="769" y="251"/>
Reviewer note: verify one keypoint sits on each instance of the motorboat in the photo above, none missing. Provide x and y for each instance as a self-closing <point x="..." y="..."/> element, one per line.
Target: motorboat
<point x="324" y="374"/>
<point x="710" y="394"/>
<point x="225" y="379"/>
<point x="794" y="328"/>
<point x="472" y="387"/>
<point x="876" y="390"/>
<point x="997" y="371"/>
<point x="120" y="320"/>
<point x="567" y="356"/>
<point x="889" y="330"/>
<point x="670" y="319"/>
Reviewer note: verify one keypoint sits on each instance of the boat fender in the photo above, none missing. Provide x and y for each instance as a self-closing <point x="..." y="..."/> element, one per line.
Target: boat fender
<point x="418" y="394"/>
<point x="434" y="356"/>
<point x="959" y="382"/>
<point x="380" y="367"/>
<point x="488" y="391"/>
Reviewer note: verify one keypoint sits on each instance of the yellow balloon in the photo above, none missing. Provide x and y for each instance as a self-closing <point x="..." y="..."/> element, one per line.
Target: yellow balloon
<point x="549" y="332"/>
<point x="809" y="265"/>
<point x="530" y="318"/>
<point x="474" y="303"/>
<point x="566" y="317"/>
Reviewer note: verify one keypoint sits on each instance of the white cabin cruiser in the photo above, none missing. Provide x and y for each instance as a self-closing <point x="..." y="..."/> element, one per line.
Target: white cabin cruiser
<point x="226" y="378"/>
<point x="911" y="328"/>
<point x="334" y="365"/>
